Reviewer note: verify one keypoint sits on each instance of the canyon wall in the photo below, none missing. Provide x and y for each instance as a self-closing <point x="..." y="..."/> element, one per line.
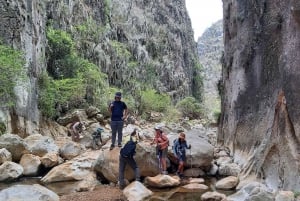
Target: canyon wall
<point x="260" y="96"/>
<point x="145" y="41"/>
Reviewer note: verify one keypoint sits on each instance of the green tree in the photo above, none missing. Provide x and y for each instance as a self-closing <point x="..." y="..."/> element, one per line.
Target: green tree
<point x="190" y="107"/>
<point x="11" y="68"/>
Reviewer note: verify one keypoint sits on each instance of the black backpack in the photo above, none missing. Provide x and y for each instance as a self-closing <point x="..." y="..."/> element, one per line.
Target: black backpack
<point x="129" y="149"/>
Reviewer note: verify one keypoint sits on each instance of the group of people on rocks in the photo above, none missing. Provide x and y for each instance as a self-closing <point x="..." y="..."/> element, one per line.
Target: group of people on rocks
<point x="119" y="112"/>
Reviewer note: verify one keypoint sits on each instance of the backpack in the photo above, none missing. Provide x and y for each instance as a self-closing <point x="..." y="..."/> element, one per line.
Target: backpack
<point x="129" y="149"/>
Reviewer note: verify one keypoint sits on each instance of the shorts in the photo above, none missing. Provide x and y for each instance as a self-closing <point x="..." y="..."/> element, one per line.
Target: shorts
<point x="163" y="153"/>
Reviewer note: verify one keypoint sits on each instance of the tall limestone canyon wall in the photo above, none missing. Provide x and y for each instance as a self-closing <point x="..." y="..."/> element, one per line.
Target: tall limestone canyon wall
<point x="157" y="34"/>
<point x="23" y="28"/>
<point x="260" y="95"/>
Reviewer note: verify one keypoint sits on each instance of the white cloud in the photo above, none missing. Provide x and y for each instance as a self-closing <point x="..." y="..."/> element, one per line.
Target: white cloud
<point x="203" y="14"/>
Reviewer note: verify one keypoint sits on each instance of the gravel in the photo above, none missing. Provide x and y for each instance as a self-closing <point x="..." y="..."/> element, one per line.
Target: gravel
<point x="100" y="193"/>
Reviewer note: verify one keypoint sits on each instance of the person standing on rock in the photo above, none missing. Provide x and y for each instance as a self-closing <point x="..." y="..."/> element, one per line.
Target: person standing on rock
<point x="126" y="157"/>
<point x="118" y="110"/>
<point x="162" y="143"/>
<point x="179" y="147"/>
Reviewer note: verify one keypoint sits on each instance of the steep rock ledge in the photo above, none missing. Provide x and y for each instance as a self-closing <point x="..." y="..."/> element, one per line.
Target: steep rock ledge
<point x="157" y="35"/>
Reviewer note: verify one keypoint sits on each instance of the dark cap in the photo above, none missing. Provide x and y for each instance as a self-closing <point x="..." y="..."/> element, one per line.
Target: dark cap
<point x="118" y="95"/>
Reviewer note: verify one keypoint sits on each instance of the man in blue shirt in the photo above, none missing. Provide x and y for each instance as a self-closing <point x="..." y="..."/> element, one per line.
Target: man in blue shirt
<point x="119" y="112"/>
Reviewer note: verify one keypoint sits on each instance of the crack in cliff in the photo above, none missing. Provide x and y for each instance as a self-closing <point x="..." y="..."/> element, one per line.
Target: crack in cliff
<point x="282" y="130"/>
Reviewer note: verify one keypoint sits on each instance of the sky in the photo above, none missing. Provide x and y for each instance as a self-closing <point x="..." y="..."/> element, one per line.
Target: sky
<point x="203" y="14"/>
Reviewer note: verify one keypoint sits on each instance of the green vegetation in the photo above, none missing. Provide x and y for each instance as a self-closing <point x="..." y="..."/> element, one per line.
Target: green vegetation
<point x="11" y="68"/>
<point x="151" y="100"/>
<point x="296" y="194"/>
<point x="88" y="32"/>
<point x="190" y="107"/>
<point x="70" y="81"/>
<point x="120" y="49"/>
<point x="197" y="86"/>
<point x="2" y="128"/>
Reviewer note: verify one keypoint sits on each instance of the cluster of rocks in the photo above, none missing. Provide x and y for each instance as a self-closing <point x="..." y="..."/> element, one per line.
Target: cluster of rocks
<point x="65" y="160"/>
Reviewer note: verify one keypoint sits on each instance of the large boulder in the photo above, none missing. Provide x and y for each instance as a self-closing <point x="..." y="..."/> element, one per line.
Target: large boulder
<point x="50" y="160"/>
<point x="252" y="191"/>
<point x="162" y="181"/>
<point x="31" y="164"/>
<point x="77" y="169"/>
<point x="201" y="153"/>
<point x="15" y="145"/>
<point x="136" y="191"/>
<point x="108" y="162"/>
<point x="10" y="171"/>
<point x="4" y="155"/>
<point x="34" y="192"/>
<point x="70" y="150"/>
<point x="213" y="196"/>
<point x="227" y="183"/>
<point x="40" y="145"/>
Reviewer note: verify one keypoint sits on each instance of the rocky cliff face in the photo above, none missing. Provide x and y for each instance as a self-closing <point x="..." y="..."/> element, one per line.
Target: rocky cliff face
<point x="155" y="40"/>
<point x="23" y="27"/>
<point x="210" y="49"/>
<point x="260" y="101"/>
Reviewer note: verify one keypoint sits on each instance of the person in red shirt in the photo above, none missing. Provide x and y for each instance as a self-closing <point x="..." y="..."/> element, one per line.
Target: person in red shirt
<point x="162" y="143"/>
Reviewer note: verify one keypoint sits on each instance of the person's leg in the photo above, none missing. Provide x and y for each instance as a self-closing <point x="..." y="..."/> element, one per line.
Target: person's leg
<point x="133" y="165"/>
<point x="180" y="168"/>
<point x="164" y="161"/>
<point x="76" y="136"/>
<point x="120" y="134"/>
<point x="113" y="125"/>
<point x="122" y="165"/>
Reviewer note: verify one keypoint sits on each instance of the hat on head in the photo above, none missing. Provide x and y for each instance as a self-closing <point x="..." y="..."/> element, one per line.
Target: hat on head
<point x="118" y="95"/>
<point x="182" y="136"/>
<point x="157" y="127"/>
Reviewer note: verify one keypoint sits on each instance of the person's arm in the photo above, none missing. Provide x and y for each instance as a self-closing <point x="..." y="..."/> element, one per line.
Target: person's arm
<point x="154" y="141"/>
<point x="110" y="107"/>
<point x="125" y="114"/>
<point x="188" y="146"/>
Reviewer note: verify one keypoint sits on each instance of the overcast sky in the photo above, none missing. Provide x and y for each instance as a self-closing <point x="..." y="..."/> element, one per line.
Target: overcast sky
<point x="203" y="14"/>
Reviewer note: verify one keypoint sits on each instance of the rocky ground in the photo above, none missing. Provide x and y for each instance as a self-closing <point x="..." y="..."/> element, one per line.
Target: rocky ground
<point x="100" y="193"/>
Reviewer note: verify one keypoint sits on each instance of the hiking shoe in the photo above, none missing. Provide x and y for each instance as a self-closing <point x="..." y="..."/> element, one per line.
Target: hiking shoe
<point x="112" y="147"/>
<point x="164" y="172"/>
<point x="119" y="145"/>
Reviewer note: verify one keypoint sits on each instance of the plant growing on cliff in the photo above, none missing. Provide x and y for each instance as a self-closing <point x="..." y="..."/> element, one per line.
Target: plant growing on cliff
<point x="190" y="107"/>
<point x="11" y="68"/>
<point x="197" y="81"/>
<point x="2" y="128"/>
<point x="59" y="53"/>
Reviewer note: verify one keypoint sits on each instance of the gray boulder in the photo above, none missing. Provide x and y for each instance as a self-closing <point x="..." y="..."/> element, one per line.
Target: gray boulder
<point x="15" y="145"/>
<point x="34" y="192"/>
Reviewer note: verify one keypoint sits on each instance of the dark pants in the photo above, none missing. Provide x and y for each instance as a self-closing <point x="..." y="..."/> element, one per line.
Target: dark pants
<point x="116" y="126"/>
<point x="122" y="164"/>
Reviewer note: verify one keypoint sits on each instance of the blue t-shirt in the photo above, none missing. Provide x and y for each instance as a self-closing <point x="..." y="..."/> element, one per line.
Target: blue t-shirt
<point x="117" y="110"/>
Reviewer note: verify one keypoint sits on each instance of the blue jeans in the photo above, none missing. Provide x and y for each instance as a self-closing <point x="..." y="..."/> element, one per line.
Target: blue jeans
<point x="116" y="126"/>
<point x="122" y="164"/>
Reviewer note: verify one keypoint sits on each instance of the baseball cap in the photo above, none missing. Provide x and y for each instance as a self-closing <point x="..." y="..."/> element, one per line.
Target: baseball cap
<point x="118" y="94"/>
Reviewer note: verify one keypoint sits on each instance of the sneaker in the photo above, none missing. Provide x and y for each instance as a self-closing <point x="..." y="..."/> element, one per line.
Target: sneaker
<point x="119" y="145"/>
<point x="112" y="147"/>
<point x="164" y="172"/>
